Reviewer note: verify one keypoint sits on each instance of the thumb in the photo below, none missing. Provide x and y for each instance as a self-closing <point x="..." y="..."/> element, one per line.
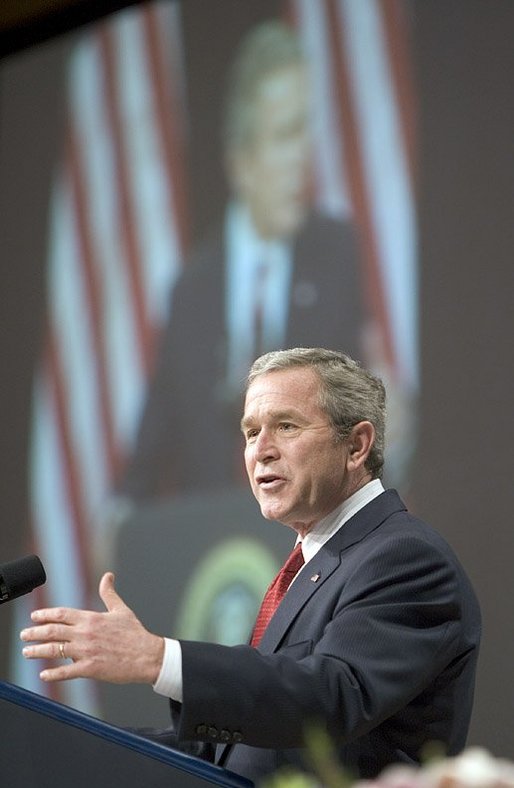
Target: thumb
<point x="108" y="595"/>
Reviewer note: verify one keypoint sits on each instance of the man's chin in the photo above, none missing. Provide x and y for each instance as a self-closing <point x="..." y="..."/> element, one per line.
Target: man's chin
<point x="270" y="512"/>
<point x="267" y="514"/>
<point x="292" y="223"/>
<point x="286" y="225"/>
<point x="279" y="515"/>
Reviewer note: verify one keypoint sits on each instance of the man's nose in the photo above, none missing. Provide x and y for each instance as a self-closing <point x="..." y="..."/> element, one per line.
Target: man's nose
<point x="265" y="446"/>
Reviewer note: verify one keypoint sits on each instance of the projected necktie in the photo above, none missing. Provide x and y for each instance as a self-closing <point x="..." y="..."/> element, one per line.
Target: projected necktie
<point x="276" y="592"/>
<point x="259" y="328"/>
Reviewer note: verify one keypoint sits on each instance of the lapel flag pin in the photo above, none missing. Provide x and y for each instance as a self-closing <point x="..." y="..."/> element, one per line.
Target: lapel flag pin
<point x="315" y="578"/>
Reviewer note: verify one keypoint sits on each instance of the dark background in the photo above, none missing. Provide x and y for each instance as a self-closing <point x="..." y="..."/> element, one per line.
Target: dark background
<point x="464" y="61"/>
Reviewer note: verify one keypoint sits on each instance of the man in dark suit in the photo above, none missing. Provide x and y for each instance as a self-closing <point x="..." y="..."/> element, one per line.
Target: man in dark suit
<point x="274" y="274"/>
<point x="189" y="435"/>
<point x="377" y="636"/>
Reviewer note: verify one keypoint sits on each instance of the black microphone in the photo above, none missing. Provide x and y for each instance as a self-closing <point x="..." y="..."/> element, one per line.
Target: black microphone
<point x="20" y="576"/>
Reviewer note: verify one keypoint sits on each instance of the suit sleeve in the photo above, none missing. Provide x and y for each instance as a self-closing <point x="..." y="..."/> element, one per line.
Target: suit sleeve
<point x="359" y="652"/>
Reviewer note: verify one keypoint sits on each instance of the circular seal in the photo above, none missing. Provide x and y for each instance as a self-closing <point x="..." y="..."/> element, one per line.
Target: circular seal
<point x="222" y="598"/>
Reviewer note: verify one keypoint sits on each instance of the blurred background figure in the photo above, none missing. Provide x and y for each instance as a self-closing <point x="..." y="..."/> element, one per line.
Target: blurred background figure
<point x="276" y="273"/>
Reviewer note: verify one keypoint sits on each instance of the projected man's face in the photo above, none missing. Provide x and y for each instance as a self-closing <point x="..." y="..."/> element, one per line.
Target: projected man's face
<point x="272" y="170"/>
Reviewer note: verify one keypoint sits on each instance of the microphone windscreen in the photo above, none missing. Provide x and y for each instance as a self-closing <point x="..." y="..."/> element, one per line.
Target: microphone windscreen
<point x="20" y="577"/>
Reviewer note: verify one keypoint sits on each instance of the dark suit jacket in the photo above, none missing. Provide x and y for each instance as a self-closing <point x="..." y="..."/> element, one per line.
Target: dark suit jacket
<point x="189" y="432"/>
<point x="376" y="640"/>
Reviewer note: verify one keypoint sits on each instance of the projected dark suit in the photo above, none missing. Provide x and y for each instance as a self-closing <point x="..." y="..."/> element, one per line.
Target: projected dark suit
<point x="377" y="639"/>
<point x="189" y="432"/>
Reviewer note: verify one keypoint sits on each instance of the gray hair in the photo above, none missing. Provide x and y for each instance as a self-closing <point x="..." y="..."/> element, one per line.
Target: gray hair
<point x="348" y="392"/>
<point x="267" y="48"/>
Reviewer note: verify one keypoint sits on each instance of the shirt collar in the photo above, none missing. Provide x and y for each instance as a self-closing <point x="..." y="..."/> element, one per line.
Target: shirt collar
<point x="246" y="243"/>
<point x="329" y="525"/>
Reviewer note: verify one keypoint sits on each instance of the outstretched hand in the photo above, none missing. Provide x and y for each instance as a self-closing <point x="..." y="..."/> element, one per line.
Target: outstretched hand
<point x="112" y="646"/>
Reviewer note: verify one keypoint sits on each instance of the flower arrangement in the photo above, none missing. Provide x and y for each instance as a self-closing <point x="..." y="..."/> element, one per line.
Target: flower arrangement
<point x="473" y="768"/>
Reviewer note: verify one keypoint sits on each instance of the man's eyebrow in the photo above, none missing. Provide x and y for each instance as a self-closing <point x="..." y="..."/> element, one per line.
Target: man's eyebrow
<point x="278" y="415"/>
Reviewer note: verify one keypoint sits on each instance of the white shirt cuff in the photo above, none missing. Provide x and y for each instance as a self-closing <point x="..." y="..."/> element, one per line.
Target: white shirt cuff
<point x="169" y="680"/>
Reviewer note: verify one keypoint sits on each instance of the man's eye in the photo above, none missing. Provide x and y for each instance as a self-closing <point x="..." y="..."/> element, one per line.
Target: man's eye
<point x="251" y="434"/>
<point x="286" y="426"/>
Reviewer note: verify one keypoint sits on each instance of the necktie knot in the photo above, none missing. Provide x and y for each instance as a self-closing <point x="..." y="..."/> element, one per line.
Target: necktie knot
<point x="276" y="592"/>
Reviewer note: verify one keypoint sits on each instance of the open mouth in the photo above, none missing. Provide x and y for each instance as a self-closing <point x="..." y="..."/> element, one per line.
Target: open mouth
<point x="269" y="480"/>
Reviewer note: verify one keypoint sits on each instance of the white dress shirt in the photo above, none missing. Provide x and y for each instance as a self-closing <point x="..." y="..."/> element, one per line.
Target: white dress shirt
<point x="246" y="254"/>
<point x="169" y="681"/>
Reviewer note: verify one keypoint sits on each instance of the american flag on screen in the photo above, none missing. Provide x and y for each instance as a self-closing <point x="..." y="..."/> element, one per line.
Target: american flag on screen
<point x="117" y="236"/>
<point x="364" y="127"/>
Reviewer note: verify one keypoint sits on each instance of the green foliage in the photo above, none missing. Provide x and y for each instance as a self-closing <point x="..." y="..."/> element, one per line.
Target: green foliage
<point x="324" y="763"/>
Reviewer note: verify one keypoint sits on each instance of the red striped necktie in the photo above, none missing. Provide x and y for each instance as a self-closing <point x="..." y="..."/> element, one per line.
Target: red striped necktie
<point x="276" y="592"/>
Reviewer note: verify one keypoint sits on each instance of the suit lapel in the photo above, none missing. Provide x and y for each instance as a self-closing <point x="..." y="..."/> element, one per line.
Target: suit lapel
<point x="312" y="577"/>
<point x="325" y="563"/>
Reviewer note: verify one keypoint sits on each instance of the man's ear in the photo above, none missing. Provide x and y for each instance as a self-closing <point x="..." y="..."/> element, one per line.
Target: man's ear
<point x="359" y="443"/>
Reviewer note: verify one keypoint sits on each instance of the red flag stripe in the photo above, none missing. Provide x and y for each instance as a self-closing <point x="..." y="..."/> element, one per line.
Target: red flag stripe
<point x="373" y="285"/>
<point x="168" y="114"/>
<point x="92" y="294"/>
<point x="394" y="24"/>
<point x="127" y="218"/>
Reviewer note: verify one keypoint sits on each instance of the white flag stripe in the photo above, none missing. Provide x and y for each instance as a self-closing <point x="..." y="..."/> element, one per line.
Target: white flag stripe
<point x="52" y="513"/>
<point x="71" y="324"/>
<point x="25" y="671"/>
<point x="386" y="175"/>
<point x="160" y="256"/>
<point x="332" y="193"/>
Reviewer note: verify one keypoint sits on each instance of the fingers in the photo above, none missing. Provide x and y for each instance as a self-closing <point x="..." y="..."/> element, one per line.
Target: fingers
<point x="61" y="673"/>
<point x="108" y="595"/>
<point x="53" y="650"/>
<point x="64" y="671"/>
<point x="46" y="633"/>
<point x="68" y="669"/>
<point x="51" y="636"/>
<point x="63" y="615"/>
